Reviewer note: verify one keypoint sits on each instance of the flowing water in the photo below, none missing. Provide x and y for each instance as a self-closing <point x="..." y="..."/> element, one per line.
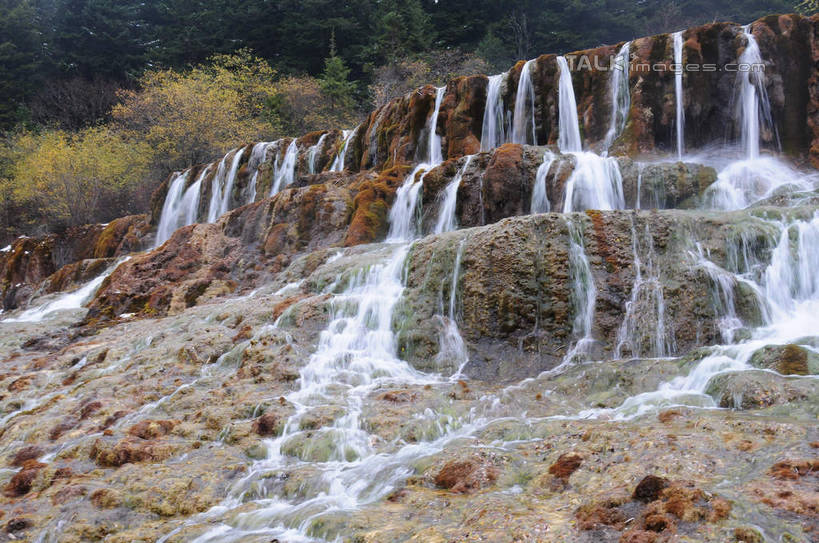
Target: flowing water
<point x="66" y="301"/>
<point x="523" y="122"/>
<point x="284" y="172"/>
<point x="493" y="131"/>
<point x="222" y="185"/>
<point x="540" y="198"/>
<point x="446" y="215"/>
<point x="314" y="152"/>
<point x="620" y="95"/>
<point x="171" y="212"/>
<point x="569" y="130"/>
<point x="338" y="163"/>
<point x="595" y="183"/>
<point x="678" y="92"/>
<point x="584" y="296"/>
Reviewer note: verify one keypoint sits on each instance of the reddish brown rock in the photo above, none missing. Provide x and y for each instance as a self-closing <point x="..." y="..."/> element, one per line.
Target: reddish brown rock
<point x="465" y="476"/>
<point x="266" y="425"/>
<point x="151" y="429"/>
<point x="566" y="465"/>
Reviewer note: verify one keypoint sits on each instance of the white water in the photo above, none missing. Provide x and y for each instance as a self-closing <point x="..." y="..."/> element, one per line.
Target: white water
<point x="180" y="208"/>
<point x="446" y="215"/>
<point x="451" y="346"/>
<point x="753" y="106"/>
<point x="169" y="218"/>
<point x="284" y="173"/>
<point x="745" y="182"/>
<point x="493" y="131"/>
<point x="523" y="122"/>
<point x="540" y="198"/>
<point x="258" y="156"/>
<point x="338" y="163"/>
<point x="222" y="185"/>
<point x="68" y="300"/>
<point x="595" y="183"/>
<point x="314" y="153"/>
<point x="678" y="93"/>
<point x="620" y="95"/>
<point x="405" y="210"/>
<point x="787" y="291"/>
<point x="584" y="295"/>
<point x="569" y="130"/>
<point x="644" y="320"/>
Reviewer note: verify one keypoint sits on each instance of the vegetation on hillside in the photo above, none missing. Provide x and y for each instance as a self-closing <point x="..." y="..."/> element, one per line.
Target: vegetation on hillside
<point x="182" y="82"/>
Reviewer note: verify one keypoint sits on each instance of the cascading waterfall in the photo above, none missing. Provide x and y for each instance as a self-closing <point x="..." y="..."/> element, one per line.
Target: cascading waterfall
<point x="620" y="95"/>
<point x="258" y="155"/>
<point x="595" y="183"/>
<point x="314" y="153"/>
<point x="644" y="321"/>
<point x="169" y="218"/>
<point x="787" y="291"/>
<point x="451" y="346"/>
<point x="540" y="199"/>
<point x="404" y="212"/>
<point x="284" y="173"/>
<point x="493" y="132"/>
<point x="568" y="140"/>
<point x="68" y="300"/>
<point x="753" y="107"/>
<point x="446" y="215"/>
<point x="678" y="92"/>
<point x="181" y="206"/>
<point x="523" y="122"/>
<point x="222" y="185"/>
<point x="338" y="163"/>
<point x="583" y="295"/>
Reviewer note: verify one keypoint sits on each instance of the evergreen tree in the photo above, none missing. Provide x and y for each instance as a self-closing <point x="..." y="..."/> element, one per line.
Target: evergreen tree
<point x="335" y="83"/>
<point x="20" y="59"/>
<point x="403" y="29"/>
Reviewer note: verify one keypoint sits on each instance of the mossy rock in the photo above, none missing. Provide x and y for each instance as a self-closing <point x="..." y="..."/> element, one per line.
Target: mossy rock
<point x="787" y="360"/>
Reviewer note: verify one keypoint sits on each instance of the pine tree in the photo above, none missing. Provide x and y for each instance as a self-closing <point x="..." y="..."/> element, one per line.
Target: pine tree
<point x="20" y="59"/>
<point x="335" y="82"/>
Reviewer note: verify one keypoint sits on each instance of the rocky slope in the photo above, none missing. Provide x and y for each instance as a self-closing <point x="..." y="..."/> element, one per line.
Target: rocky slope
<point x="525" y="365"/>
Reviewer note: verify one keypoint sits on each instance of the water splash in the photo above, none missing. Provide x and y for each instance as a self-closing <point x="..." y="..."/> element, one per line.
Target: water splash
<point x="620" y="95"/>
<point x="493" y="131"/>
<point x="446" y="215"/>
<point x="523" y="122"/>
<point x="569" y="130"/>
<point x="595" y="183"/>
<point x="678" y="92"/>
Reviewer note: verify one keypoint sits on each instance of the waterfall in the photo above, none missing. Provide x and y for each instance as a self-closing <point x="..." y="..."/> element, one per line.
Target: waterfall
<point x="620" y="95"/>
<point x="493" y="131"/>
<point x="434" y="154"/>
<point x="787" y="290"/>
<point x="451" y="346"/>
<point x="258" y="156"/>
<point x="68" y="300"/>
<point x="404" y="213"/>
<point x="583" y="295"/>
<point x="753" y="107"/>
<point x="169" y="218"/>
<point x="569" y="131"/>
<point x="678" y="92"/>
<point x="745" y="182"/>
<point x="523" y="123"/>
<point x="540" y="198"/>
<point x="314" y="153"/>
<point x="338" y="163"/>
<point x="446" y="215"/>
<point x="644" y="320"/>
<point x="222" y="185"/>
<point x="181" y="206"/>
<point x="284" y="173"/>
<point x="595" y="183"/>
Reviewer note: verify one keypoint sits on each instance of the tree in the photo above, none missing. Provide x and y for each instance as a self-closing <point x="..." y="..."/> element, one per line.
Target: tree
<point x="403" y="28"/>
<point x="73" y="179"/>
<point x="334" y="80"/>
<point x="193" y="116"/>
<point x="20" y="59"/>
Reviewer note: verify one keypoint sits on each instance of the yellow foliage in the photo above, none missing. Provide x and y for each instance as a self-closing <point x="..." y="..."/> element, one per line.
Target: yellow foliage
<point x="70" y="177"/>
<point x="192" y="117"/>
